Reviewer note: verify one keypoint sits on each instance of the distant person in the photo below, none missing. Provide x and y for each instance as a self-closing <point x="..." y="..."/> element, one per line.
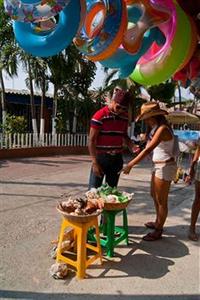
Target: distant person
<point x="195" y="174"/>
<point x="185" y="127"/>
<point x="108" y="133"/>
<point x="161" y="142"/>
<point x="136" y="138"/>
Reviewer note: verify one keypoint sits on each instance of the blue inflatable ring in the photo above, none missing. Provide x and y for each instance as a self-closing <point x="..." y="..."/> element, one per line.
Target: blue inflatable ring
<point x="52" y="42"/>
<point x="30" y="11"/>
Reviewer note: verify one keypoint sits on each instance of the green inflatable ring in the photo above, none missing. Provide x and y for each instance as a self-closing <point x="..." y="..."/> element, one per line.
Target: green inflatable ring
<point x="163" y="67"/>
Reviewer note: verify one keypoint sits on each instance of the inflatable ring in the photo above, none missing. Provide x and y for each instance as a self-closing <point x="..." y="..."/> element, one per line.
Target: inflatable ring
<point x="34" y="10"/>
<point x="157" y="67"/>
<point x="98" y="8"/>
<point x="190" y="71"/>
<point x="193" y="44"/>
<point x="52" y="42"/>
<point x="99" y="41"/>
<point x="150" y="17"/>
<point x="126" y="62"/>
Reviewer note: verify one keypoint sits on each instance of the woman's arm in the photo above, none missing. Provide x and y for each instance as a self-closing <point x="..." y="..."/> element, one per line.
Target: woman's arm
<point x="157" y="138"/>
<point x="194" y="161"/>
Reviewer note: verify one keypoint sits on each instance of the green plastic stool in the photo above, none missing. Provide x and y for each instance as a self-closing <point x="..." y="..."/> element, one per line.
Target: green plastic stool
<point x="112" y="235"/>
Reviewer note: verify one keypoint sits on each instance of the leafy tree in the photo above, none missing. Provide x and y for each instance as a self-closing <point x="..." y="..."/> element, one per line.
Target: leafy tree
<point x="71" y="75"/>
<point x="163" y="92"/>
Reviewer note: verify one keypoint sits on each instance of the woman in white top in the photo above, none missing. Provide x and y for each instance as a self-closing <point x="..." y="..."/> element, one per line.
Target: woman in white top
<point x="161" y="143"/>
<point x="195" y="174"/>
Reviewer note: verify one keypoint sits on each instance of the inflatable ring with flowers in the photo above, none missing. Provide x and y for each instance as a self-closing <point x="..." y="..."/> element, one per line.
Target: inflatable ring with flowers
<point x="34" y="10"/>
<point x="53" y="40"/>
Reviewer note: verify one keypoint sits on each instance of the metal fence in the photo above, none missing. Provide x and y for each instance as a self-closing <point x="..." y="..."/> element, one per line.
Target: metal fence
<point x="30" y="140"/>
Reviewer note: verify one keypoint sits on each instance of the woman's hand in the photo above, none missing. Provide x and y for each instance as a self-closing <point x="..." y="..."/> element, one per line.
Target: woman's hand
<point x="188" y="179"/>
<point x="126" y="169"/>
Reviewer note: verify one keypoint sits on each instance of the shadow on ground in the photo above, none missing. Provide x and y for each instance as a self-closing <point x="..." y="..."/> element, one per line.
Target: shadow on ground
<point x="52" y="296"/>
<point x="143" y="259"/>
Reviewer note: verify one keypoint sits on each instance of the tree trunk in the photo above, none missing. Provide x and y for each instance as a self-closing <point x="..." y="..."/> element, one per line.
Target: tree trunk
<point x="32" y="102"/>
<point x="74" y="121"/>
<point x="54" y="112"/>
<point x="3" y="98"/>
<point x="179" y="95"/>
<point x="42" y="121"/>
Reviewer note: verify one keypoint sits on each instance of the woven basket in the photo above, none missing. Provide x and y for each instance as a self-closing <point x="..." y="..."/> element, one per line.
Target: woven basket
<point x="116" y="206"/>
<point x="77" y="219"/>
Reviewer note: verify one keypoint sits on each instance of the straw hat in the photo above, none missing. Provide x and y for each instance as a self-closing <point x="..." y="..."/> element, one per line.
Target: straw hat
<point x="150" y="109"/>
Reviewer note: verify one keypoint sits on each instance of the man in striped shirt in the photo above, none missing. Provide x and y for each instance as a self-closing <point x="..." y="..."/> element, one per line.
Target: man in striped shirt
<point x="108" y="133"/>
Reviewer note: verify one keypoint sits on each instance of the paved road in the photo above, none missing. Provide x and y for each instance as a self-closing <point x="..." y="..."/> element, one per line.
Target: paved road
<point x="29" y="191"/>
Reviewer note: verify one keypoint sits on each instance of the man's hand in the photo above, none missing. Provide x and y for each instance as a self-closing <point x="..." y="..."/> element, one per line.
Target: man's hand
<point x="97" y="169"/>
<point x="136" y="149"/>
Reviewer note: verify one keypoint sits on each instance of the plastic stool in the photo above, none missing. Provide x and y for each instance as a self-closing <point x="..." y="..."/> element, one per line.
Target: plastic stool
<point x="80" y="235"/>
<point x="113" y="235"/>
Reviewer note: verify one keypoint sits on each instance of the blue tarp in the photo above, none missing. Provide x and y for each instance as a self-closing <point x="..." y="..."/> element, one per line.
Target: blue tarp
<point x="187" y="135"/>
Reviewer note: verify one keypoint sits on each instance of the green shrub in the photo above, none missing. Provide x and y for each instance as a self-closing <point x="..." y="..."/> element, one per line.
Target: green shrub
<point x="15" y="124"/>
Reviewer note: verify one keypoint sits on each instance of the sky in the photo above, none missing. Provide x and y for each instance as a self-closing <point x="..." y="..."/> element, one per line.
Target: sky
<point x="18" y="83"/>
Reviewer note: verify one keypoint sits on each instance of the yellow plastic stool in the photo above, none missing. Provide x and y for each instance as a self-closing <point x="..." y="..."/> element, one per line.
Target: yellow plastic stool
<point x="80" y="236"/>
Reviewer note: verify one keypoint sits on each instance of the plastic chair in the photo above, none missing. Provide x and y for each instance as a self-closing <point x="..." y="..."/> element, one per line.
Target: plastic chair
<point x="80" y="236"/>
<point x="112" y="235"/>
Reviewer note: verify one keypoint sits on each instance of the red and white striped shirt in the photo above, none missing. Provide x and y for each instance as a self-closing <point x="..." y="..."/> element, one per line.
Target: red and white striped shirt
<point x="112" y="130"/>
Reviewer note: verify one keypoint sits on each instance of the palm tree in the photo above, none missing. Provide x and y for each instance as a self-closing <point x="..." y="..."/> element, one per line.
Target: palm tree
<point x="8" y="55"/>
<point x="71" y="74"/>
<point x="59" y="72"/>
<point x="41" y="81"/>
<point x="27" y="61"/>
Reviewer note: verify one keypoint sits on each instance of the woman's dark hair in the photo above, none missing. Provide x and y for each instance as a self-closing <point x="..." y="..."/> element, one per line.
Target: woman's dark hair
<point x="161" y="120"/>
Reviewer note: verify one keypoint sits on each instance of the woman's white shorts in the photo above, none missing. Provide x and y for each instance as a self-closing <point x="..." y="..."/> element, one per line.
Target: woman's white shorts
<point x="166" y="171"/>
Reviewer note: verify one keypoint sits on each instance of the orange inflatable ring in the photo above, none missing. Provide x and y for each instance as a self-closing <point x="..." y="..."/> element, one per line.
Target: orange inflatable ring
<point x="99" y="41"/>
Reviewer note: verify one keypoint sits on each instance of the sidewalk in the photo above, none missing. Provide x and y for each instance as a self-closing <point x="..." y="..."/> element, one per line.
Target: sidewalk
<point x="29" y="190"/>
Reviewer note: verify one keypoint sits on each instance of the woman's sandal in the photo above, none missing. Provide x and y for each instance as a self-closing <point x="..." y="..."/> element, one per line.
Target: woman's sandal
<point x="150" y="225"/>
<point x="193" y="236"/>
<point x="153" y="236"/>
